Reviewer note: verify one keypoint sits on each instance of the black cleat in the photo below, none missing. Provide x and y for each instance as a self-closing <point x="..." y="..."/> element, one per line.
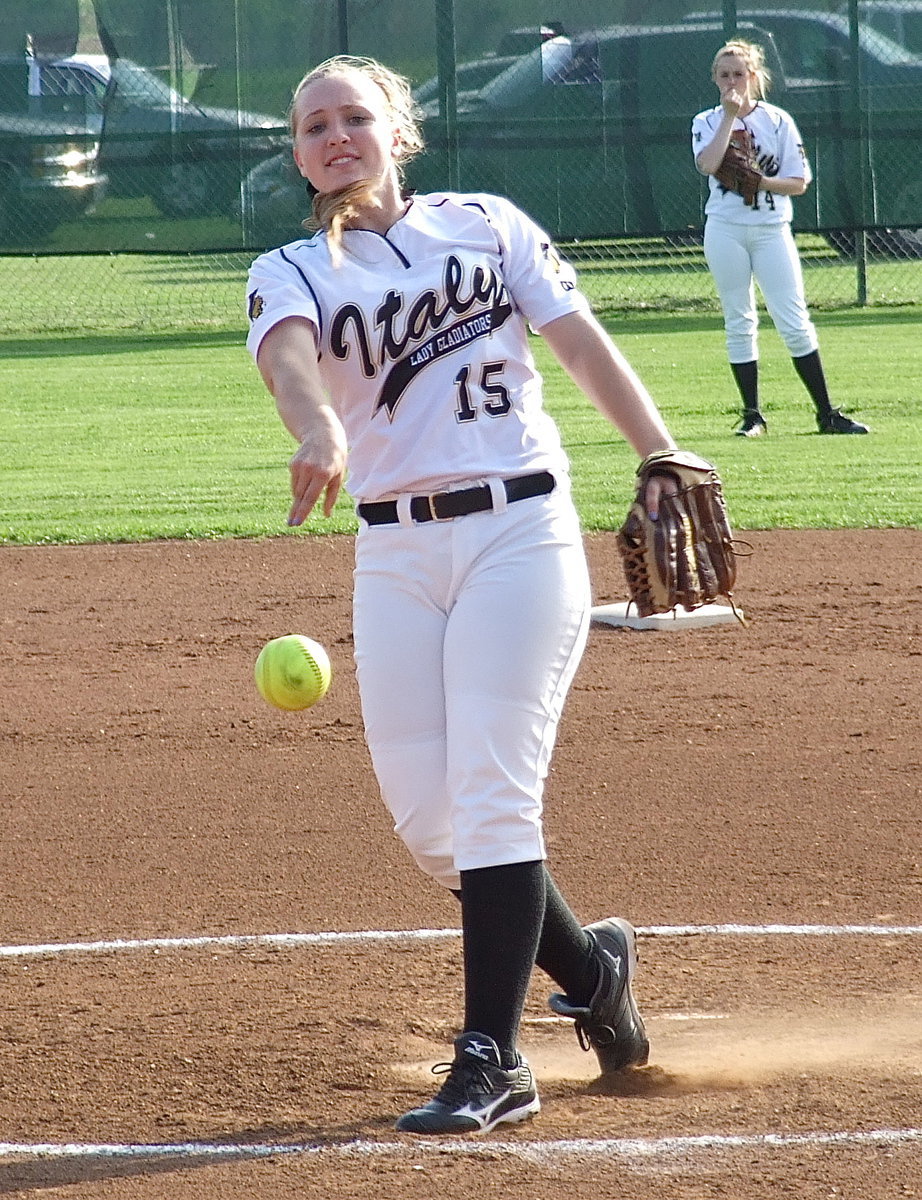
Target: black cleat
<point x="611" y="1024"/>
<point x="478" y="1094"/>
<point x="837" y="422"/>
<point x="753" y="424"/>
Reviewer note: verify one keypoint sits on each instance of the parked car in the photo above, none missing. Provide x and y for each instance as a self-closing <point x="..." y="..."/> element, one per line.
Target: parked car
<point x="899" y="20"/>
<point x="476" y="72"/>
<point x="186" y="156"/>
<point x="547" y="132"/>
<point x="49" y="166"/>
<point x="274" y="200"/>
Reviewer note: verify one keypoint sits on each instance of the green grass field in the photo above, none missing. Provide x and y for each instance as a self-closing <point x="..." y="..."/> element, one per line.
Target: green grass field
<point x="124" y="436"/>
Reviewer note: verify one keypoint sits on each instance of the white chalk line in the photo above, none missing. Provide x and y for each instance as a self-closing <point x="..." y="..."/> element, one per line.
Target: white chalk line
<point x="287" y="940"/>
<point x="611" y="1148"/>
<point x="531" y="1151"/>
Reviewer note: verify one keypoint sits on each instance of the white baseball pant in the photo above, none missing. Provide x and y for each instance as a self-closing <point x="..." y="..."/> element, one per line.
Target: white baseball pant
<point x="737" y="254"/>
<point x="467" y="636"/>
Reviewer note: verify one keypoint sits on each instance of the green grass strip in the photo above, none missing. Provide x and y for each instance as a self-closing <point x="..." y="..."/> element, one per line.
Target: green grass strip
<point x="127" y="437"/>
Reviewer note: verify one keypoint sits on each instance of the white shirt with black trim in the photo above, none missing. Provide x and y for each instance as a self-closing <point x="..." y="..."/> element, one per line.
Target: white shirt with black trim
<point x="780" y="152"/>
<point x="423" y="340"/>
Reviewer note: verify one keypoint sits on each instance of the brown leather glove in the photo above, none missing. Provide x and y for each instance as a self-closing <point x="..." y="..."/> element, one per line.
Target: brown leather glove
<point x="686" y="556"/>
<point x="739" y="170"/>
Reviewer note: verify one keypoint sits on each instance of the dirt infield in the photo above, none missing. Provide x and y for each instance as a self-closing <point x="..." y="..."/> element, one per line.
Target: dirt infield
<point x="146" y="792"/>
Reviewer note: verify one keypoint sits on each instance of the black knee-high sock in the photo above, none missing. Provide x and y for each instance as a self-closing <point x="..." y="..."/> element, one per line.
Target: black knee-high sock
<point x="810" y="370"/>
<point x="565" y="951"/>
<point x="746" y="375"/>
<point x="502" y="913"/>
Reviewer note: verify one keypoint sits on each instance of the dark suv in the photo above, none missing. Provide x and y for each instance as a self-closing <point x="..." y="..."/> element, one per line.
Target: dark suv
<point x="49" y="164"/>
<point x="590" y="134"/>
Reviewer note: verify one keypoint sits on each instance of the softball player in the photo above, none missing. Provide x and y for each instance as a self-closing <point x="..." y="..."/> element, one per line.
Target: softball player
<point x="743" y="242"/>
<point x="400" y="332"/>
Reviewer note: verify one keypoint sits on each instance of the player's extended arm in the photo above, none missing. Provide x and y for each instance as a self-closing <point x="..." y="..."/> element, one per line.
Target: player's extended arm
<point x="598" y="368"/>
<point x="287" y="361"/>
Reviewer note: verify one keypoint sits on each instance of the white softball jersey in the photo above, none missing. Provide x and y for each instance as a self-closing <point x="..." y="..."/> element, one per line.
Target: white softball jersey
<point x="423" y="340"/>
<point x="780" y="152"/>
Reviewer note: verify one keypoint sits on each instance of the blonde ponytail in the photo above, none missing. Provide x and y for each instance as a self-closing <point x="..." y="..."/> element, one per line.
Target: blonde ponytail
<point x="333" y="211"/>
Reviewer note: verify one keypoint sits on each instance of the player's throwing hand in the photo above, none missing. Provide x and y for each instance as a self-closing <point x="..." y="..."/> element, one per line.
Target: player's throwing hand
<point x="318" y="466"/>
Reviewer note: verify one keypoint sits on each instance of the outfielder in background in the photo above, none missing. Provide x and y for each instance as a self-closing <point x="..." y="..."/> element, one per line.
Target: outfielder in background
<point x="399" y="333"/>
<point x="749" y="237"/>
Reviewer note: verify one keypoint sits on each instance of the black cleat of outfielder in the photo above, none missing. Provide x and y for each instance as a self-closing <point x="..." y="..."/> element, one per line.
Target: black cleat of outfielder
<point x="478" y="1094"/>
<point x="837" y="422"/>
<point x="610" y="1024"/>
<point x="753" y="424"/>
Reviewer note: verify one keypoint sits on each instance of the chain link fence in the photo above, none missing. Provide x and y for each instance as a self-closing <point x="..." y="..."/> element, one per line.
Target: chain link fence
<point x="149" y="138"/>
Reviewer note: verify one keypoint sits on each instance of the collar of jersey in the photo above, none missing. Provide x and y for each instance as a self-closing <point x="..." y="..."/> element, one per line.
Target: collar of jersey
<point x="369" y="246"/>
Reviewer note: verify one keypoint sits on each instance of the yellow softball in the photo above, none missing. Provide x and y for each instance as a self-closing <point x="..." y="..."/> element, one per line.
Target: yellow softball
<point x="292" y="672"/>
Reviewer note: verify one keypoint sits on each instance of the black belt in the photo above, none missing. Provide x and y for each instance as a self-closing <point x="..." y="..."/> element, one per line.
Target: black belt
<point x="444" y="506"/>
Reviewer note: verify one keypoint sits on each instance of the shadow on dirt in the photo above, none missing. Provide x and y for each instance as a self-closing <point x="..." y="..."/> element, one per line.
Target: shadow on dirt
<point x="73" y="1165"/>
